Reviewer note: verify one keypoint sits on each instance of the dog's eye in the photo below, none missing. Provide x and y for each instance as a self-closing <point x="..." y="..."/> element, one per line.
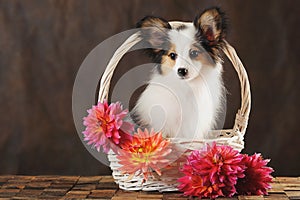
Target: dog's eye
<point x="194" y="53"/>
<point x="173" y="56"/>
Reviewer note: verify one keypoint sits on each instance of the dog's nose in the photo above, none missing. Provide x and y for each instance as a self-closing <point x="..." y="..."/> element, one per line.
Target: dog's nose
<point x="182" y="72"/>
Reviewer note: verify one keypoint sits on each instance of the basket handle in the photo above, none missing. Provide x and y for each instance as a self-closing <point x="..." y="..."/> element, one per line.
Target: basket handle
<point x="242" y="116"/>
<point x="111" y="66"/>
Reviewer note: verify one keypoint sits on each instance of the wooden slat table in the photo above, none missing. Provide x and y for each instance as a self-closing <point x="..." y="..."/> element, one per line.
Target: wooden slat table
<point x="103" y="187"/>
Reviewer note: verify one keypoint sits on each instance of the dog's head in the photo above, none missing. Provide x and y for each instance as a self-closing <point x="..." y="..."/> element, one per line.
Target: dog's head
<point x="185" y="48"/>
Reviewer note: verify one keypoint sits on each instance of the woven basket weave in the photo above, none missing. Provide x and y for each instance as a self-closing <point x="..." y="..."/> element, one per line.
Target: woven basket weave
<point x="233" y="137"/>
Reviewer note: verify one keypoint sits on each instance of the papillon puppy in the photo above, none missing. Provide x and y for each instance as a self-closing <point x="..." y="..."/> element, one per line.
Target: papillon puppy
<point x="184" y="96"/>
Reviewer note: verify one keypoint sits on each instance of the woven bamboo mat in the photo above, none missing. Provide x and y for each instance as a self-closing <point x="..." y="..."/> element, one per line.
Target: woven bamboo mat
<point x="103" y="187"/>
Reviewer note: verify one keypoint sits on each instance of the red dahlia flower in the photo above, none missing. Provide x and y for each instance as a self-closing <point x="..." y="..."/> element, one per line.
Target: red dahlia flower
<point x="212" y="172"/>
<point x="257" y="176"/>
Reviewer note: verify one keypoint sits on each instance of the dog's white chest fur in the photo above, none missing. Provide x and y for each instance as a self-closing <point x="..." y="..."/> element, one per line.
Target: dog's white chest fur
<point x="179" y="108"/>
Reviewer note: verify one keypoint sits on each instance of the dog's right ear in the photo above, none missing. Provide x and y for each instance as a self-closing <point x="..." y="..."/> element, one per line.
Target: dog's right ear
<point x="154" y="31"/>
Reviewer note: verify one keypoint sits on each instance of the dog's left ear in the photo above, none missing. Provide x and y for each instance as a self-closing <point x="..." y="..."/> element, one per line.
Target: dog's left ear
<point x="155" y="31"/>
<point x="211" y="25"/>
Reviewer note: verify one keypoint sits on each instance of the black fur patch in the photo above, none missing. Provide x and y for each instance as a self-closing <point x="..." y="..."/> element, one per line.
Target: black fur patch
<point x="181" y="27"/>
<point x="213" y="50"/>
<point x="156" y="57"/>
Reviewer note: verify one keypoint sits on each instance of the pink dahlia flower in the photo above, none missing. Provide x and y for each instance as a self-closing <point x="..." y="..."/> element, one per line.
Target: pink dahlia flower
<point x="105" y="126"/>
<point x="257" y="176"/>
<point x="218" y="168"/>
<point x="146" y="152"/>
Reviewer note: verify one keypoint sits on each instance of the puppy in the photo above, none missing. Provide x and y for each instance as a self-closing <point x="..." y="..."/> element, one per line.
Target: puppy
<point x="185" y="93"/>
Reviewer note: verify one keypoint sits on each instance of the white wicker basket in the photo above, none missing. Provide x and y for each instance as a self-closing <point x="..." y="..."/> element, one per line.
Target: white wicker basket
<point x="233" y="137"/>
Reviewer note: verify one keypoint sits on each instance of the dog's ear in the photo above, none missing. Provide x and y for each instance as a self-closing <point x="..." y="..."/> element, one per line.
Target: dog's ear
<point x="154" y="31"/>
<point x="211" y="26"/>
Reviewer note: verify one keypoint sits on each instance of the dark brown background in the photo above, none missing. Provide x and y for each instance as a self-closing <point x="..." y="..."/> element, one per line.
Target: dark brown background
<point x="43" y="43"/>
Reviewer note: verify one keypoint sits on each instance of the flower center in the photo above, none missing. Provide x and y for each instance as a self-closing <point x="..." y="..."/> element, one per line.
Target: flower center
<point x="142" y="157"/>
<point x="217" y="159"/>
<point x="103" y="122"/>
<point x="140" y="150"/>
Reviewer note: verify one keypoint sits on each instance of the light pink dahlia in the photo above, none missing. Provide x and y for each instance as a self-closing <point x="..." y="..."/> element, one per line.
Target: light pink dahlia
<point x="218" y="167"/>
<point x="257" y="176"/>
<point x="105" y="126"/>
